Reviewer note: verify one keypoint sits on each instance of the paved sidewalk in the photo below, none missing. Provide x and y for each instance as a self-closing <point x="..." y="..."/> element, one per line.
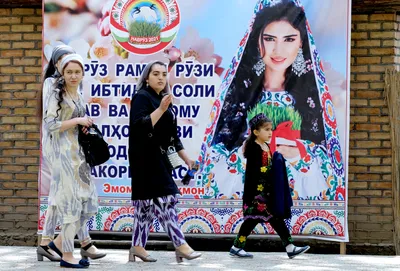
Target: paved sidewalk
<point x="24" y="258"/>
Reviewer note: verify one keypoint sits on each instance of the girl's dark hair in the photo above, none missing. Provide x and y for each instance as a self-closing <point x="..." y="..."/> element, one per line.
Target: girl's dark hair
<point x="246" y="87"/>
<point x="252" y="138"/>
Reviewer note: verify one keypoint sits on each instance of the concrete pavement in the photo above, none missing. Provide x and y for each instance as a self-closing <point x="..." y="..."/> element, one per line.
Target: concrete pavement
<point x="24" y="258"/>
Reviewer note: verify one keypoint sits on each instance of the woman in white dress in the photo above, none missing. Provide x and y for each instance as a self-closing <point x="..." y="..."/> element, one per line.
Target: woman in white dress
<point x="74" y="192"/>
<point x="87" y="249"/>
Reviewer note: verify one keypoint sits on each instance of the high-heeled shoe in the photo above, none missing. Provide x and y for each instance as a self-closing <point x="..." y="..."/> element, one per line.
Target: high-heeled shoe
<point x="180" y="255"/>
<point x="55" y="249"/>
<point x="43" y="251"/>
<point x="86" y="254"/>
<point x="133" y="254"/>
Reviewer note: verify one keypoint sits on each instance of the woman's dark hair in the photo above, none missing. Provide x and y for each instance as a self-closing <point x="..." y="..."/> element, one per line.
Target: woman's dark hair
<point x="246" y="87"/>
<point x="51" y="71"/>
<point x="252" y="138"/>
<point x="48" y="72"/>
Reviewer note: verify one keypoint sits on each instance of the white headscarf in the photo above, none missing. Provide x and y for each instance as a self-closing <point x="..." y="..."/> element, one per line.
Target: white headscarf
<point x="68" y="58"/>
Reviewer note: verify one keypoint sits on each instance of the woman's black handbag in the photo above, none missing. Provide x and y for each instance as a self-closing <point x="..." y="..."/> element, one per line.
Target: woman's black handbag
<point x="94" y="147"/>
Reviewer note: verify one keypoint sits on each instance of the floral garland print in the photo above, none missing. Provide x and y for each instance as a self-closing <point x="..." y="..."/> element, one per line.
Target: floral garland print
<point x="258" y="208"/>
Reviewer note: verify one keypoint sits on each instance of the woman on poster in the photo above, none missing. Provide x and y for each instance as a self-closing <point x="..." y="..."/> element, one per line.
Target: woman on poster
<point x="278" y="69"/>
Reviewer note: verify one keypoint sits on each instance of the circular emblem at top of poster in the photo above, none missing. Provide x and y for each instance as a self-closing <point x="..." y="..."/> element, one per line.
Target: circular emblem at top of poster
<point x="144" y="27"/>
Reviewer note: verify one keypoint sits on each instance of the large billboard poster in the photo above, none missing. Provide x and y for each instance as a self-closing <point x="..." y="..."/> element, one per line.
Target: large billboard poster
<point x="224" y="58"/>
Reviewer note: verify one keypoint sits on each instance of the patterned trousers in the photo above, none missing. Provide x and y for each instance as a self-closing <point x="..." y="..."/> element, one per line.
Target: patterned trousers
<point x="69" y="231"/>
<point x="144" y="215"/>
<point x="50" y="223"/>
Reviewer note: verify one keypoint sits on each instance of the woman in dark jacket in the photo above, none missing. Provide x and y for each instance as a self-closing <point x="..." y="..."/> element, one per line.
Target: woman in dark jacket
<point x="153" y="131"/>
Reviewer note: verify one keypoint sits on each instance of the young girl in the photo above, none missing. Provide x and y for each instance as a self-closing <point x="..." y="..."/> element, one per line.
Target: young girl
<point x="260" y="188"/>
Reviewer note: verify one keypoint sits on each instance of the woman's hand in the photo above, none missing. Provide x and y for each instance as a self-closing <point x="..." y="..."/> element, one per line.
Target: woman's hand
<point x="85" y="121"/>
<point x="189" y="163"/>
<point x="165" y="102"/>
<point x="288" y="152"/>
<point x="85" y="130"/>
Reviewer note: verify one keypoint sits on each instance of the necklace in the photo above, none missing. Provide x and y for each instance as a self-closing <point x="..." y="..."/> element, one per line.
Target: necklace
<point x="79" y="108"/>
<point x="274" y="91"/>
<point x="69" y="94"/>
